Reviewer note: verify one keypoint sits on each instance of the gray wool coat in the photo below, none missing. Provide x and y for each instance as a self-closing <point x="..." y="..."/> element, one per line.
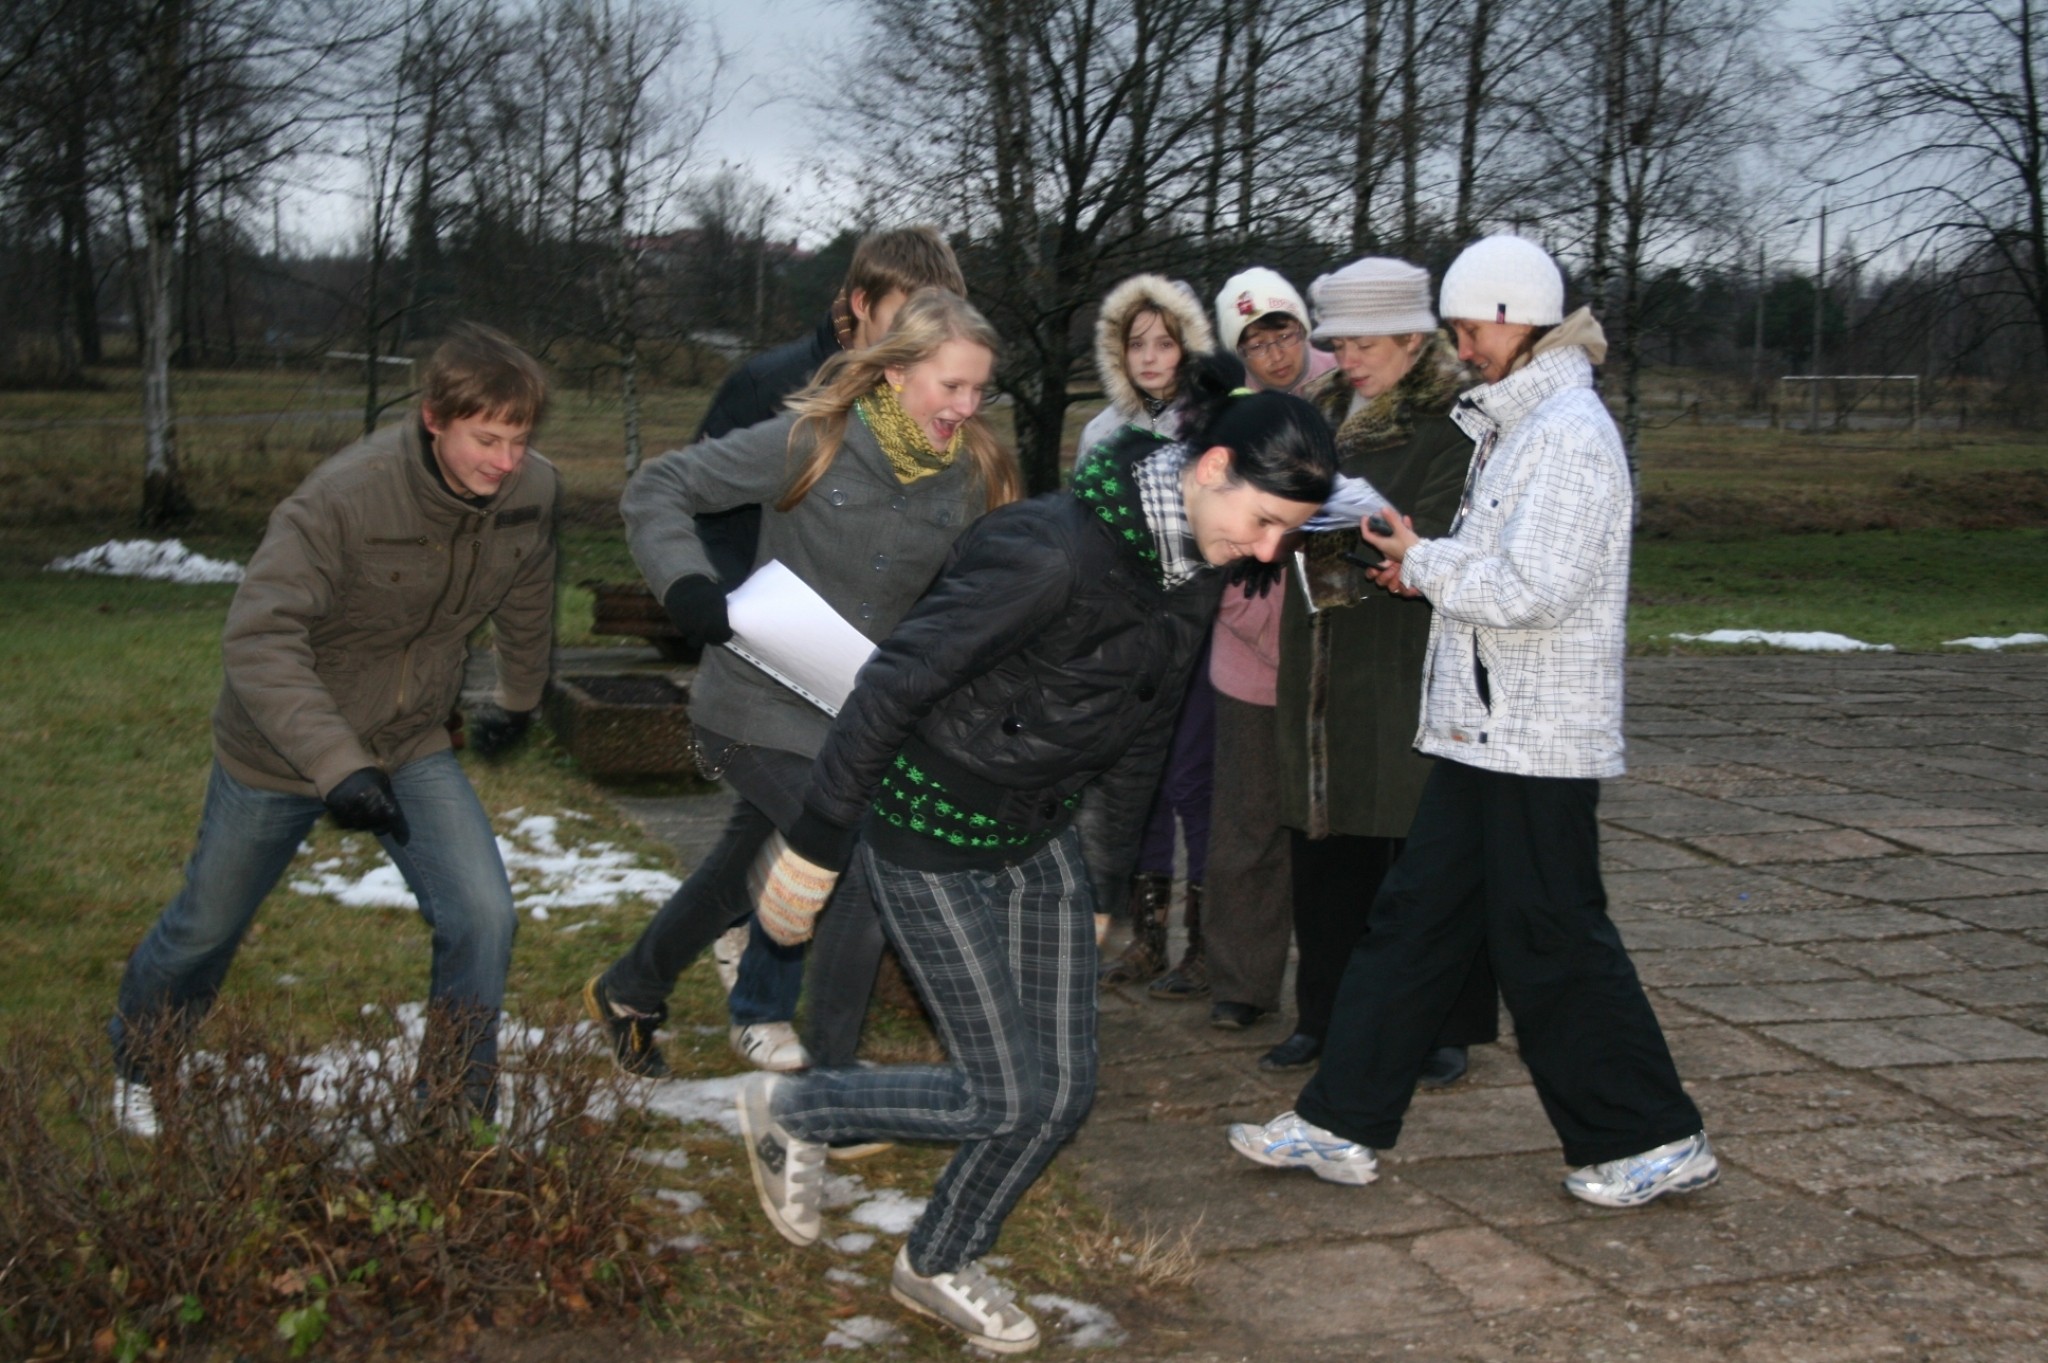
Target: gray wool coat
<point x="865" y="541"/>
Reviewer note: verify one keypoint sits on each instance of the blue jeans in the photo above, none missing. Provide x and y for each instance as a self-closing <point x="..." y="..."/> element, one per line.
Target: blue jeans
<point x="771" y="980"/>
<point x="248" y="836"/>
<point x="1005" y="960"/>
<point x="770" y="784"/>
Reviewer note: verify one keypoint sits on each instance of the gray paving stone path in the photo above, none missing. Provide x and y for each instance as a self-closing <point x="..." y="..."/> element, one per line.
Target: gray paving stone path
<point x="1833" y="874"/>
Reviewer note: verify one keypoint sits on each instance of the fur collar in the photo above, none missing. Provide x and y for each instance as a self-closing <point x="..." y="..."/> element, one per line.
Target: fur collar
<point x="1428" y="389"/>
<point x="1125" y="299"/>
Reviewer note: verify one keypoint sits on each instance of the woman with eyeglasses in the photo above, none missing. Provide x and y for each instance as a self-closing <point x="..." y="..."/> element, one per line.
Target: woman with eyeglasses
<point x="1237" y="958"/>
<point x="1261" y="317"/>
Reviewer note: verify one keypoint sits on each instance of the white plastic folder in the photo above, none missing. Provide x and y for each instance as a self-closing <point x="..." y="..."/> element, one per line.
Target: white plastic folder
<point x="788" y="631"/>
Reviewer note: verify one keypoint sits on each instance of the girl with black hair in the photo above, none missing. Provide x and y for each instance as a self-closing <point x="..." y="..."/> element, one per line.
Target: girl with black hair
<point x="1049" y="656"/>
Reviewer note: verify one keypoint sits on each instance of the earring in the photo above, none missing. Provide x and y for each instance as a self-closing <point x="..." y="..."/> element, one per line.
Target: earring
<point x="895" y="387"/>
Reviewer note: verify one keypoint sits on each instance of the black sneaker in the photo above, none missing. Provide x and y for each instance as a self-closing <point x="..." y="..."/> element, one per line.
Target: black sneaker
<point x="1298" y="1050"/>
<point x="632" y="1032"/>
<point x="1234" y="1017"/>
<point x="1446" y="1066"/>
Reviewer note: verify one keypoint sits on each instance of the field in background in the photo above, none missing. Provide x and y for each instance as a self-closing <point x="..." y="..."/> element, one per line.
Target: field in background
<point x="1892" y="536"/>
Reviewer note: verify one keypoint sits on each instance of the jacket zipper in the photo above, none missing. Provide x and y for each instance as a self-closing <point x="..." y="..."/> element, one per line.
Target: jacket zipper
<point x="476" y="548"/>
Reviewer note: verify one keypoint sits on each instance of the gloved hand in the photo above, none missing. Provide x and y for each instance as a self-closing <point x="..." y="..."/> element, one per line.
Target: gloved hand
<point x="697" y="606"/>
<point x="789" y="892"/>
<point x="495" y="731"/>
<point x="1254" y="577"/>
<point x="362" y="800"/>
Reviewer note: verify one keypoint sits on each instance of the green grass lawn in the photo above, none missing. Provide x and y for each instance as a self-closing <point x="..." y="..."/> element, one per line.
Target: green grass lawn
<point x="1909" y="588"/>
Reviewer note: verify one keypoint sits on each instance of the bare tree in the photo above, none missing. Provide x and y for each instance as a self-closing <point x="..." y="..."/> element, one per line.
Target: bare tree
<point x="646" y="128"/>
<point x="208" y="93"/>
<point x="1942" y="105"/>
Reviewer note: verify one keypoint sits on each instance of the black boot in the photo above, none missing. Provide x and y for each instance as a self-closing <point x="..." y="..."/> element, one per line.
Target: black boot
<point x="1145" y="957"/>
<point x="1189" y="979"/>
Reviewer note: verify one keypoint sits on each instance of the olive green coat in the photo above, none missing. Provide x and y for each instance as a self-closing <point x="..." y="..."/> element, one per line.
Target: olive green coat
<point x="1350" y="688"/>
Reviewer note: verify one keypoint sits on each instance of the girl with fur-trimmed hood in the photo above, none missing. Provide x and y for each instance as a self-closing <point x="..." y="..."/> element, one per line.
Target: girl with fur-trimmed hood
<point x="1147" y="328"/>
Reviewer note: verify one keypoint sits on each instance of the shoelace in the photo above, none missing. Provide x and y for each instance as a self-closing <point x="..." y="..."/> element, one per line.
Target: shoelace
<point x="973" y="1283"/>
<point x="806" y="1189"/>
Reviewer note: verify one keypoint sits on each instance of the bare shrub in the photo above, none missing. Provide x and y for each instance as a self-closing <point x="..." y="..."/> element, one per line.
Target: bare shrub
<point x="296" y="1199"/>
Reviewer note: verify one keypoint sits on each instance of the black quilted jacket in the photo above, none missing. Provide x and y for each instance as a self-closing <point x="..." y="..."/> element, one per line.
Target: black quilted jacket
<point x="1047" y="656"/>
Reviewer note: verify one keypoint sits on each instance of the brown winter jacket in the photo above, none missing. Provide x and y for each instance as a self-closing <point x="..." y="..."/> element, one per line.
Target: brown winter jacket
<point x="1350" y="684"/>
<point x="345" y="643"/>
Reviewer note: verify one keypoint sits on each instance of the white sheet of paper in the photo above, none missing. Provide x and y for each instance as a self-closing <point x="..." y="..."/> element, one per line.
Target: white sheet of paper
<point x="788" y="631"/>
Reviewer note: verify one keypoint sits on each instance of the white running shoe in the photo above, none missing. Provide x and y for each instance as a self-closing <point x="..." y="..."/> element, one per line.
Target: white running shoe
<point x="770" y="1046"/>
<point x="726" y="953"/>
<point x="135" y="1110"/>
<point x="1290" y="1142"/>
<point x="1679" y="1167"/>
<point x="968" y="1300"/>
<point x="789" y="1174"/>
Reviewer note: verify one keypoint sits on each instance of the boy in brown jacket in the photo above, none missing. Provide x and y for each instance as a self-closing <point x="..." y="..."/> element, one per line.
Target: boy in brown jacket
<point x="343" y="658"/>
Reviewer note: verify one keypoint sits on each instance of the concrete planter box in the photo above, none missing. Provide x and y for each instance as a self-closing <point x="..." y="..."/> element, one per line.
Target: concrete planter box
<point x="629" y="608"/>
<point x="623" y="725"/>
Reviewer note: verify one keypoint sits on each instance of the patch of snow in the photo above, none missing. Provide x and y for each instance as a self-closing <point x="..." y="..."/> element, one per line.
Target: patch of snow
<point x="663" y="1159"/>
<point x="1809" y="641"/>
<point x="841" y="1190"/>
<point x="685" y="1202"/>
<point x="857" y="1332"/>
<point x="1993" y="645"/>
<point x="853" y="1242"/>
<point x="846" y="1277"/>
<point x="156" y="560"/>
<point x="683" y="1244"/>
<point x="891" y="1213"/>
<point x="1083" y="1326"/>
<point x="545" y="875"/>
<point x="707" y="1101"/>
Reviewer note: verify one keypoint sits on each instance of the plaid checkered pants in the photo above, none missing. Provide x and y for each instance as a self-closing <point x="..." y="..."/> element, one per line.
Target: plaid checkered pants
<point x="1005" y="960"/>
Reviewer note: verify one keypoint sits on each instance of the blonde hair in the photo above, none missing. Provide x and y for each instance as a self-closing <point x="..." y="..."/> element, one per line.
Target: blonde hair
<point x="927" y="321"/>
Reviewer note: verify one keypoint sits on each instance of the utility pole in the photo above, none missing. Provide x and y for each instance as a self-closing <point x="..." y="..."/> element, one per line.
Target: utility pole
<point x="1756" y="349"/>
<point x="1820" y="294"/>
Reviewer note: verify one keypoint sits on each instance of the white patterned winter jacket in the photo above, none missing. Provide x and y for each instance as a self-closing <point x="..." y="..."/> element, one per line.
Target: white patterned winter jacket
<point x="1532" y="581"/>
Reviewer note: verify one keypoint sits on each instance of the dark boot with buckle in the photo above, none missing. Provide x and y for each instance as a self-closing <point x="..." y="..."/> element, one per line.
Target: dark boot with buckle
<point x="1145" y="957"/>
<point x="1189" y="979"/>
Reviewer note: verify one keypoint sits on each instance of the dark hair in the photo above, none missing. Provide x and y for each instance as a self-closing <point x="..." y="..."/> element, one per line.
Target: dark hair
<point x="1278" y="443"/>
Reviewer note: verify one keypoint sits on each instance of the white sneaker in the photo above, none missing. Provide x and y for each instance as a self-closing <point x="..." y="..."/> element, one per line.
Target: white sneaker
<point x="1679" y="1167"/>
<point x="1291" y="1142"/>
<point x="968" y="1300"/>
<point x="770" y="1046"/>
<point x="135" y="1110"/>
<point x="789" y="1174"/>
<point x="726" y="953"/>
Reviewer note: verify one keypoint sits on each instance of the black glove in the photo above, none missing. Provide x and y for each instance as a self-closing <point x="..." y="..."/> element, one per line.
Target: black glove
<point x="494" y="730"/>
<point x="363" y="801"/>
<point x="1254" y="577"/>
<point x="697" y="606"/>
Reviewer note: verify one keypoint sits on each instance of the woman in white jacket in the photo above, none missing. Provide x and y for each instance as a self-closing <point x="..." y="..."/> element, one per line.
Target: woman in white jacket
<point x="1522" y="706"/>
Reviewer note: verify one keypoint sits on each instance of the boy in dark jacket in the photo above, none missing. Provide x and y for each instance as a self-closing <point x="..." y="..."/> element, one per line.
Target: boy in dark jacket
<point x="343" y="658"/>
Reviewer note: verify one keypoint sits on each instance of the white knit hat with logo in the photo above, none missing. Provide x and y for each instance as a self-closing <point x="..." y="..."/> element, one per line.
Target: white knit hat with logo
<point x="1504" y="279"/>
<point x="1250" y="295"/>
<point x="1376" y="296"/>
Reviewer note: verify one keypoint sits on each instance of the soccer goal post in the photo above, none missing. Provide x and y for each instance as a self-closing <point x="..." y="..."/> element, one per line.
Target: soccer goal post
<point x="1860" y="387"/>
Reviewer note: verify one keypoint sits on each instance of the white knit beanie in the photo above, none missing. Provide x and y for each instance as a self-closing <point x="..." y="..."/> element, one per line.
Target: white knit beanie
<point x="1376" y="296"/>
<point x="1504" y="279"/>
<point x="1250" y="295"/>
